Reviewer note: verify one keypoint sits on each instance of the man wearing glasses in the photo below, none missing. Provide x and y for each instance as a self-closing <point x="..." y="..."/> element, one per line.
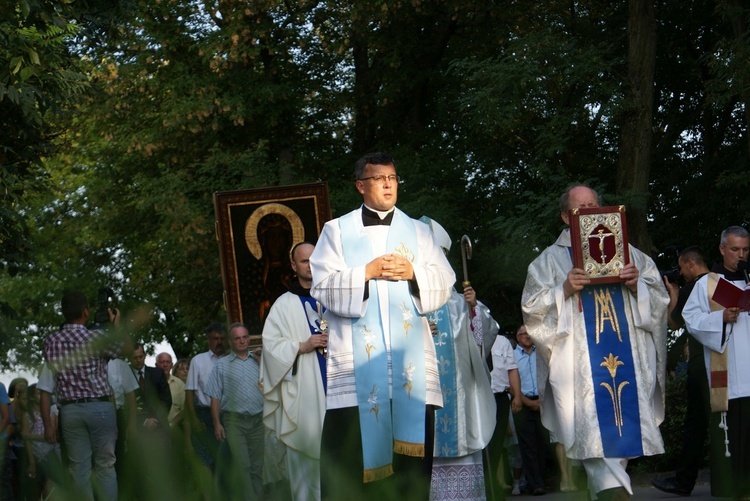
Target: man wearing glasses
<point x="377" y="272"/>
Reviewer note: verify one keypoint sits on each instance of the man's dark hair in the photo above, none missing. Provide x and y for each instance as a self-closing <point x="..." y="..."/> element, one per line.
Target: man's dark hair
<point x="377" y="158"/>
<point x="73" y="304"/>
<point x="565" y="198"/>
<point x="139" y="345"/>
<point x="217" y="327"/>
<point x="695" y="254"/>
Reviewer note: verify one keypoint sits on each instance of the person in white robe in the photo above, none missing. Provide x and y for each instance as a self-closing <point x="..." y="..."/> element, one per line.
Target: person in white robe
<point x="377" y="272"/>
<point x="556" y="313"/>
<point x="725" y="336"/>
<point x="292" y="376"/>
<point x="465" y="424"/>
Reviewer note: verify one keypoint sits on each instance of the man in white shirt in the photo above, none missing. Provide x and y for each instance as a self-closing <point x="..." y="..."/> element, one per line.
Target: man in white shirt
<point x="201" y="437"/>
<point x="506" y="385"/>
<point x="124" y="386"/>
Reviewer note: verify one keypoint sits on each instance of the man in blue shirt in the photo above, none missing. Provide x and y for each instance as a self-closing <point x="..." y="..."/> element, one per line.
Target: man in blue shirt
<point x="533" y="439"/>
<point x="237" y="411"/>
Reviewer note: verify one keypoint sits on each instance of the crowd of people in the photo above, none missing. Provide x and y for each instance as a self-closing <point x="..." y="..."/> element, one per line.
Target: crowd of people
<point x="378" y="380"/>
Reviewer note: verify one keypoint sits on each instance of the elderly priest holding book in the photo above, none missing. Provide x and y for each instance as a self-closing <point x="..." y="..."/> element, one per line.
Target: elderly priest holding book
<point x="605" y="344"/>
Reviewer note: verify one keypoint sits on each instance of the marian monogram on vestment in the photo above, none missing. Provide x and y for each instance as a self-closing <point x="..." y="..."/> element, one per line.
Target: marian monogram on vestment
<point x="606" y="313"/>
<point x="404" y="251"/>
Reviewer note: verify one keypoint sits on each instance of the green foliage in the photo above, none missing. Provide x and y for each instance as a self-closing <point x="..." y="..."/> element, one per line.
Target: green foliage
<point x="490" y="109"/>
<point x="38" y="79"/>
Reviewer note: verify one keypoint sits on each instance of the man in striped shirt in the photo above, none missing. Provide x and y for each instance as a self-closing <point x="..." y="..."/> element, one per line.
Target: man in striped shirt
<point x="78" y="359"/>
<point x="237" y="412"/>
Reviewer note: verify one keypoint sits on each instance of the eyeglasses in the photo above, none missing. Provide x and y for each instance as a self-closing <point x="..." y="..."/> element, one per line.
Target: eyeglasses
<point x="381" y="178"/>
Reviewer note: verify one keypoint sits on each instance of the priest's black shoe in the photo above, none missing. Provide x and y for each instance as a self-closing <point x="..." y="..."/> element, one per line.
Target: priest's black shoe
<point x="671" y="486"/>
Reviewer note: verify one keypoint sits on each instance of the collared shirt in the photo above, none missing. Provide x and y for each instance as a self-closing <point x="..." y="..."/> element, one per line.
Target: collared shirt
<point x="121" y="380"/>
<point x="78" y="358"/>
<point x="200" y="370"/>
<point x="527" y="371"/>
<point x="138" y="374"/>
<point x="372" y="217"/>
<point x="234" y="382"/>
<point x="503" y="360"/>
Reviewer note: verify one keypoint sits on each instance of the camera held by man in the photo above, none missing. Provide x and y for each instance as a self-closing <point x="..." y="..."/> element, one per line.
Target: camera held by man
<point x="106" y="305"/>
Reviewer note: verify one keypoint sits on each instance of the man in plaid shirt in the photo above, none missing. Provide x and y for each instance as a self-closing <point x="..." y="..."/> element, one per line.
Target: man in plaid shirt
<point x="78" y="359"/>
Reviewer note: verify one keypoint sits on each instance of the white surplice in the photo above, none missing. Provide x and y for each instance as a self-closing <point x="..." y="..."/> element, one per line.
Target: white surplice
<point x="294" y="405"/>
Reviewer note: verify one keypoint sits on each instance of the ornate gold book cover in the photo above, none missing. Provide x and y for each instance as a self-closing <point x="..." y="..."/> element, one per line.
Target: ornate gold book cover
<point x="599" y="240"/>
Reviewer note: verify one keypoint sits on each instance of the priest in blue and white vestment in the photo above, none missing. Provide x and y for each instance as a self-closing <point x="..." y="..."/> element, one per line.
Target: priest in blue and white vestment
<point x="606" y="349"/>
<point x="377" y="272"/>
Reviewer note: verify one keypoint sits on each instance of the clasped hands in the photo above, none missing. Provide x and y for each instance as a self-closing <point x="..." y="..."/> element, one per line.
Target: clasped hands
<point x="577" y="279"/>
<point x="389" y="267"/>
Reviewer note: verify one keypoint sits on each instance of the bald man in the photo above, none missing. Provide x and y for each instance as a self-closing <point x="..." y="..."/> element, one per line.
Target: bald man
<point x="604" y="348"/>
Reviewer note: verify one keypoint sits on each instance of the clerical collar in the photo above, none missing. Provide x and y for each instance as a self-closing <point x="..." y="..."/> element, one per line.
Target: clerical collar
<point x="372" y="217"/>
<point x="729" y="275"/>
<point x="296" y="288"/>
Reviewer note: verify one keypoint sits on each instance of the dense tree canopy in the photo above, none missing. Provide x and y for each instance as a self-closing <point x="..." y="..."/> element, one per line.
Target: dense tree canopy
<point x="490" y="109"/>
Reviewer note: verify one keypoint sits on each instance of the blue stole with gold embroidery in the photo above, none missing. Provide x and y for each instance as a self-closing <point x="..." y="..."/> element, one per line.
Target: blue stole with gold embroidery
<point x="446" y="419"/>
<point x="612" y="370"/>
<point x="395" y="423"/>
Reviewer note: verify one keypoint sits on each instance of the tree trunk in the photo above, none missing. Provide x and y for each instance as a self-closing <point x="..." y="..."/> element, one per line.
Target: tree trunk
<point x="634" y="165"/>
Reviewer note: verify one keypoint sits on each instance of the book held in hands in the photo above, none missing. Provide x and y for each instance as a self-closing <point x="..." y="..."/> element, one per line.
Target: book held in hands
<point x="730" y="295"/>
